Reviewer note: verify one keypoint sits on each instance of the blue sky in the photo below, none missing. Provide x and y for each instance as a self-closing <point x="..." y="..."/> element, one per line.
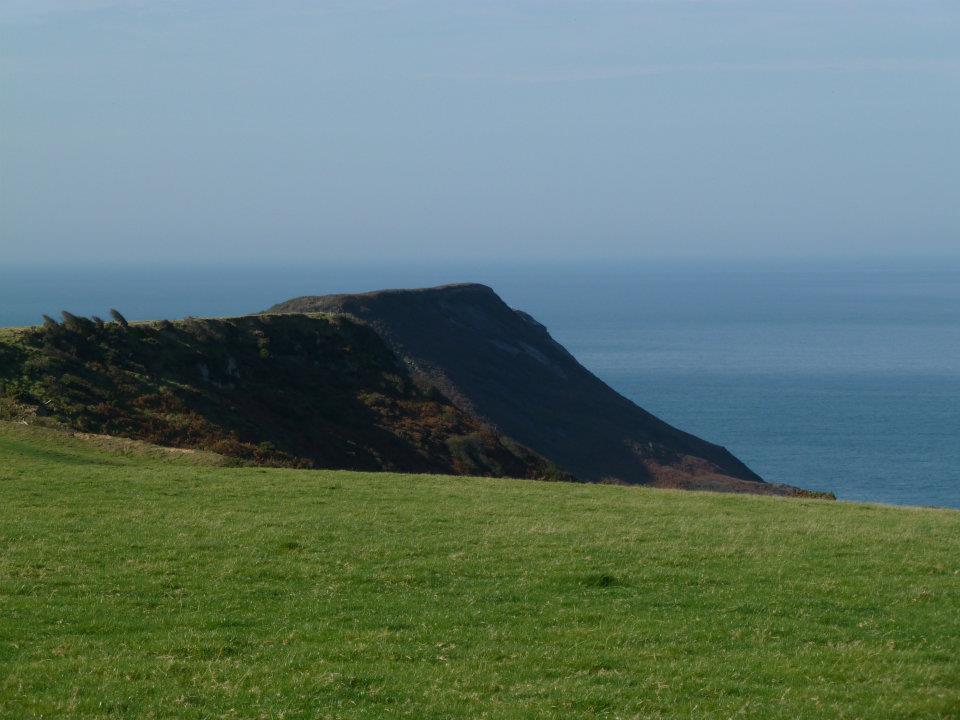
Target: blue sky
<point x="202" y="130"/>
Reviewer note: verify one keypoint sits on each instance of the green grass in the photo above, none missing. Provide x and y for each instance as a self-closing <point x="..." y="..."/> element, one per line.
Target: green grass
<point x="139" y="583"/>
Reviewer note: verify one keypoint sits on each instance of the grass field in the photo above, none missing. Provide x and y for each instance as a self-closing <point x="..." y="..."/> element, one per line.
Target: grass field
<point x="141" y="583"/>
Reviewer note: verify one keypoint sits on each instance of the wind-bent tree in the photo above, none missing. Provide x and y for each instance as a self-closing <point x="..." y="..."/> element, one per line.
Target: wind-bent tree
<point x="120" y="319"/>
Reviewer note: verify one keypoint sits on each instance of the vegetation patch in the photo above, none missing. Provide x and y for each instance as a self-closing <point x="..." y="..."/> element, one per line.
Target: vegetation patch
<point x="601" y="580"/>
<point x="292" y="390"/>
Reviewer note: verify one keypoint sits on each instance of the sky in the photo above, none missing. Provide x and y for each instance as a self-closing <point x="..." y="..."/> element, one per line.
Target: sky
<point x="212" y="130"/>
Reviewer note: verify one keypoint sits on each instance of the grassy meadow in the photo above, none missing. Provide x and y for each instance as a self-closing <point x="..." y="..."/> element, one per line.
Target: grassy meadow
<point x="137" y="582"/>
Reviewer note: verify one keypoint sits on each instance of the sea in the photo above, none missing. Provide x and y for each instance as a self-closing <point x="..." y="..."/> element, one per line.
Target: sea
<point x="841" y="376"/>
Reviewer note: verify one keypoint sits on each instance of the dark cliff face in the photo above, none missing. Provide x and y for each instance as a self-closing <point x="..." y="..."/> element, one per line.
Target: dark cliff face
<point x="502" y="366"/>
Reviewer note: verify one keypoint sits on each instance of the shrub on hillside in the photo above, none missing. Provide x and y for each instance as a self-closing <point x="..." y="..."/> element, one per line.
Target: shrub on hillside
<point x="118" y="318"/>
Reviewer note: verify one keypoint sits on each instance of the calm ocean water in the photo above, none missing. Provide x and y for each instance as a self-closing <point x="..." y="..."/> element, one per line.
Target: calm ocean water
<point x="835" y="378"/>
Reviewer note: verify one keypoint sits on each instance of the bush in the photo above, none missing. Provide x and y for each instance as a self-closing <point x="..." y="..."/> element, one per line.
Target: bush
<point x="76" y="324"/>
<point x="118" y="318"/>
<point x="434" y="393"/>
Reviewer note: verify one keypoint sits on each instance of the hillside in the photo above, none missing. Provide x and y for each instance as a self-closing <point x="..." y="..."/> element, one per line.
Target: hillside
<point x="142" y="582"/>
<point x="503" y="366"/>
<point x="284" y="390"/>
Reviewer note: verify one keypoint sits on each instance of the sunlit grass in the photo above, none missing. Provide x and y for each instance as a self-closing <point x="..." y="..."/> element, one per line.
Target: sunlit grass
<point x="140" y="583"/>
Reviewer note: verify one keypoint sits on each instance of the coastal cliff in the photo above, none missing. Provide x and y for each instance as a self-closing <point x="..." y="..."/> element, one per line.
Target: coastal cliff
<point x="502" y="366"/>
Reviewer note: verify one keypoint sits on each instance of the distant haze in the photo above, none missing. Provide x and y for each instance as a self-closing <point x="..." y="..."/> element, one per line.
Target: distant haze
<point x="197" y="130"/>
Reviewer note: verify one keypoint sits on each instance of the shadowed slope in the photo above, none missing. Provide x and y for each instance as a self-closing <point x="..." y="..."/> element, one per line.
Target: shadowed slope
<point x="503" y="366"/>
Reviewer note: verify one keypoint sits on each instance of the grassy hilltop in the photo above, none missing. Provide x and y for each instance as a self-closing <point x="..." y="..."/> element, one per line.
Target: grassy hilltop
<point x="141" y="582"/>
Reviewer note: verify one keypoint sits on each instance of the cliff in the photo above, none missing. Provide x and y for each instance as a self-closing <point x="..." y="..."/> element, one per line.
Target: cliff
<point x="503" y="367"/>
